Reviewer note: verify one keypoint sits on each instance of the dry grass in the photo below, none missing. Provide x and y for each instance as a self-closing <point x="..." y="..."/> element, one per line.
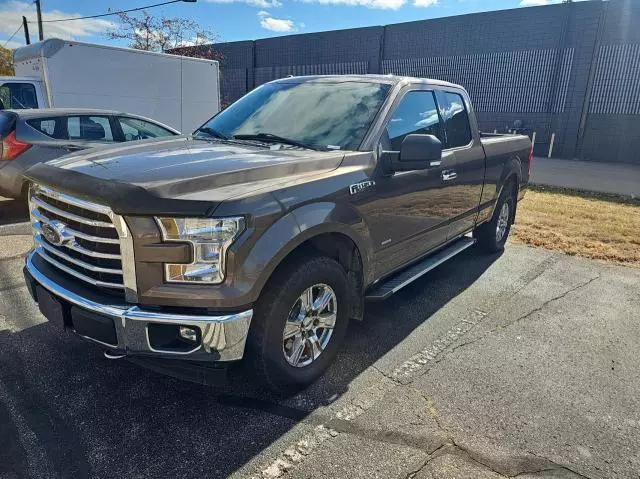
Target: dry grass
<point x="583" y="224"/>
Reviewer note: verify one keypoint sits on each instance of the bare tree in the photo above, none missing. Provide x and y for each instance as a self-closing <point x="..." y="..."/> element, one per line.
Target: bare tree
<point x="159" y="34"/>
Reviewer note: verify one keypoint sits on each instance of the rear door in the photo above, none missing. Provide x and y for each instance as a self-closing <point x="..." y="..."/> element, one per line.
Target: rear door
<point x="463" y="155"/>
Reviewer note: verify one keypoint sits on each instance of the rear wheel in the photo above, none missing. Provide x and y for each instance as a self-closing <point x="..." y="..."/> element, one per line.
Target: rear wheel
<point x="299" y="324"/>
<point x="492" y="236"/>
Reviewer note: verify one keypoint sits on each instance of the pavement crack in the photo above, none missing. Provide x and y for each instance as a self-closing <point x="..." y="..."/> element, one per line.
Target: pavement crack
<point x="526" y="315"/>
<point x="549" y="301"/>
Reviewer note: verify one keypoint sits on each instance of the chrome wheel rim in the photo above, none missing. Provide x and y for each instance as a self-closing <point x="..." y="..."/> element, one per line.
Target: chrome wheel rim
<point x="309" y="325"/>
<point x="503" y="222"/>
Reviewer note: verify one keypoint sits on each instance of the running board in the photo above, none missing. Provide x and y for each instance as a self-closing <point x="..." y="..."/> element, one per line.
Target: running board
<point x="394" y="284"/>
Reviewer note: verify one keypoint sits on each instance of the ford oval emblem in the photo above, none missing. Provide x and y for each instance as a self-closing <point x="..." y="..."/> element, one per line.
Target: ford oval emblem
<point x="55" y="233"/>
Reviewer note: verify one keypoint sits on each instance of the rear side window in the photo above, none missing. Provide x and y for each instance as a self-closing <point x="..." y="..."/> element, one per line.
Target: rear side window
<point x="417" y="113"/>
<point x="51" y="127"/>
<point x="456" y="119"/>
<point x="89" y="128"/>
<point x="18" y="96"/>
<point x="136" y="129"/>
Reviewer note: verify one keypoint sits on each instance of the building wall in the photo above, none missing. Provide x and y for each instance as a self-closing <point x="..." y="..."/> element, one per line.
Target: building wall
<point x="571" y="69"/>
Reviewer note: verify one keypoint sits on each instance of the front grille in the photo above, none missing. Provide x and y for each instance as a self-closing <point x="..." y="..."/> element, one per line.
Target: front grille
<point x="78" y="237"/>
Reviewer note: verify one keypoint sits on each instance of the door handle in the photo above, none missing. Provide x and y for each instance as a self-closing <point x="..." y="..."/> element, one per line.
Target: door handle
<point x="448" y="175"/>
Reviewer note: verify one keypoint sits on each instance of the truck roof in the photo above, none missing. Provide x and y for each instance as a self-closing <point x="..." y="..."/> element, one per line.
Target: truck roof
<point x="49" y="47"/>
<point x="385" y="79"/>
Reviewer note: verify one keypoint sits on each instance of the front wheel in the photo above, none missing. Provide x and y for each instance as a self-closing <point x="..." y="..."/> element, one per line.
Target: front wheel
<point x="492" y="236"/>
<point x="299" y="324"/>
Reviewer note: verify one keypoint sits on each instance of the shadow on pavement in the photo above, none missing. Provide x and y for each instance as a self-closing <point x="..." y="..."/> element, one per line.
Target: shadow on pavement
<point x="66" y="410"/>
<point x="13" y="211"/>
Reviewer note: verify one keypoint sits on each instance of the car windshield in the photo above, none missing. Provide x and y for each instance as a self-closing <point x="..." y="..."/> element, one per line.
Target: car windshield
<point x="318" y="115"/>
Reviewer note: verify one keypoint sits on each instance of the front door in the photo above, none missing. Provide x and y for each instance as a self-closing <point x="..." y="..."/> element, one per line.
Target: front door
<point x="409" y="216"/>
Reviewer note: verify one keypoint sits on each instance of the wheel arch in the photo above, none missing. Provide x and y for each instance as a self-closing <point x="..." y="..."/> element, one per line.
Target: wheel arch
<point x="319" y="232"/>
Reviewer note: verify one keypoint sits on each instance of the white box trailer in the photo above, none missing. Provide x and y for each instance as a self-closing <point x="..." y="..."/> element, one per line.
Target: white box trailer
<point x="179" y="91"/>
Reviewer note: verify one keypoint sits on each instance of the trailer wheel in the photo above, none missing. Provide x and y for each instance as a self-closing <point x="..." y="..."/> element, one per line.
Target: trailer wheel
<point x="299" y="324"/>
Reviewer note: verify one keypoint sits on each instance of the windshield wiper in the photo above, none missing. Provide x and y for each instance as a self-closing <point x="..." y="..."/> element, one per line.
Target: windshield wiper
<point x="212" y="132"/>
<point x="273" y="138"/>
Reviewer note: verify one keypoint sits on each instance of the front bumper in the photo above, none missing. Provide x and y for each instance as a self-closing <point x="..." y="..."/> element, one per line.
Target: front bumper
<point x="221" y="338"/>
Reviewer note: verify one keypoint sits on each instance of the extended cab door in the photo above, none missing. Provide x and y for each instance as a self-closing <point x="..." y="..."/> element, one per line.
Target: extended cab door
<point x="411" y="212"/>
<point x="463" y="155"/>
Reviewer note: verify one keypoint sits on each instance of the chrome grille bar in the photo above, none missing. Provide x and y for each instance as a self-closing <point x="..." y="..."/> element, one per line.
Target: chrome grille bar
<point x="66" y="214"/>
<point x="86" y="205"/>
<point x="43" y="254"/>
<point x="81" y="249"/>
<point x="78" y="234"/>
<point x="97" y="269"/>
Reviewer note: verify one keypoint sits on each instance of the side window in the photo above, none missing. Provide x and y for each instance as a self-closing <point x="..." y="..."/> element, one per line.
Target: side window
<point x="89" y="128"/>
<point x="18" y="96"/>
<point x="49" y="126"/>
<point x="456" y="119"/>
<point x="416" y="113"/>
<point x="135" y="129"/>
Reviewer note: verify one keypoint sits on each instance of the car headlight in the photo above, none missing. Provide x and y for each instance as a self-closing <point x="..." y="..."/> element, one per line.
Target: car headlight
<point x="209" y="238"/>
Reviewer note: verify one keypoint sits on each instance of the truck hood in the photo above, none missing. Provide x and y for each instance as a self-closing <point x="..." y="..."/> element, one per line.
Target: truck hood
<point x="180" y="168"/>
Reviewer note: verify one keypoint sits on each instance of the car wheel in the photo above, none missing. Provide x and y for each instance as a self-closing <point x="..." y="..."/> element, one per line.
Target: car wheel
<point x="299" y="324"/>
<point x="492" y="236"/>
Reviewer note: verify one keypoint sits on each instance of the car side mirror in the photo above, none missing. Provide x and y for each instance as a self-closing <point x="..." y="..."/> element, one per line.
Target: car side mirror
<point x="417" y="152"/>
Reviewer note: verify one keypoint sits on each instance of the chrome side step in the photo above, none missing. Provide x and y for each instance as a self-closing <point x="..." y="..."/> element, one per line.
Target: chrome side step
<point x="394" y="284"/>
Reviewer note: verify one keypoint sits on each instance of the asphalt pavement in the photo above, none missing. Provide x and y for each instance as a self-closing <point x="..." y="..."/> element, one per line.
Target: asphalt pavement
<point x="521" y="364"/>
<point x="612" y="178"/>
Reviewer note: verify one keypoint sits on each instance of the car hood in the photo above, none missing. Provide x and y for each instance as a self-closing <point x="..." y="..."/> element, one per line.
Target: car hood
<point x="181" y="168"/>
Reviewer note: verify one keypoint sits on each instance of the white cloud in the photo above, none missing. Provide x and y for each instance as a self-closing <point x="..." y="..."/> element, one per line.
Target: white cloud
<point x="381" y="4"/>
<point x="425" y="3"/>
<point x="253" y="3"/>
<point x="277" y="24"/>
<point x="11" y="17"/>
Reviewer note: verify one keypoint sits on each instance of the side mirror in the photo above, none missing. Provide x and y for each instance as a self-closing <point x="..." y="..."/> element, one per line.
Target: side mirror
<point x="417" y="152"/>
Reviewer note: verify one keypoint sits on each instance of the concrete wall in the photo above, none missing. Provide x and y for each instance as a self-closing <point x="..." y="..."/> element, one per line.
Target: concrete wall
<point x="570" y="69"/>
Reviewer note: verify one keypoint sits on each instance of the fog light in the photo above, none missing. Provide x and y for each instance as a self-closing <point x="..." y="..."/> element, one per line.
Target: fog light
<point x="189" y="334"/>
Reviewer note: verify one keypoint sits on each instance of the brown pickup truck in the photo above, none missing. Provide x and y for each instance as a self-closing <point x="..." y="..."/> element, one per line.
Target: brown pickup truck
<point x="261" y="235"/>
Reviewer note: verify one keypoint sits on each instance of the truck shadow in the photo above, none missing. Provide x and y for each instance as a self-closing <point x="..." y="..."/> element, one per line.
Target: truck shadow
<point x="13" y="211"/>
<point x="65" y="409"/>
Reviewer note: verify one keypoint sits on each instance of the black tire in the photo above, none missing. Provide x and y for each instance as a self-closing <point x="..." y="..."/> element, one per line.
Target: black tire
<point x="265" y="354"/>
<point x="486" y="235"/>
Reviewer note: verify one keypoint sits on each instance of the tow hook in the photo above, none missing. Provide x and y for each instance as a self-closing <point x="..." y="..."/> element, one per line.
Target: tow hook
<point x="114" y="354"/>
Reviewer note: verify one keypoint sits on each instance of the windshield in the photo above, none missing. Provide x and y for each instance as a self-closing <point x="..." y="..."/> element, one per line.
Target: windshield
<point x="318" y="115"/>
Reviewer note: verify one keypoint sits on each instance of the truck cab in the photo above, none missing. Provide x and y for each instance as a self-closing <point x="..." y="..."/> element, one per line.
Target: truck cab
<point x="20" y="93"/>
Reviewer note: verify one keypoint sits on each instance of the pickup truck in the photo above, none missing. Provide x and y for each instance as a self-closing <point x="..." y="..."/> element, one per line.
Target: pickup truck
<point x="261" y="235"/>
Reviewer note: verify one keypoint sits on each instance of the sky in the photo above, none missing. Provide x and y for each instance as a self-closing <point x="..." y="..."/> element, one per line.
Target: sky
<point x="233" y="20"/>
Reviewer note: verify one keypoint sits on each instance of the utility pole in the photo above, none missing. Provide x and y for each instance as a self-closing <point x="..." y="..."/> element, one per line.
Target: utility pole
<point x="25" y="27"/>
<point x="39" y="13"/>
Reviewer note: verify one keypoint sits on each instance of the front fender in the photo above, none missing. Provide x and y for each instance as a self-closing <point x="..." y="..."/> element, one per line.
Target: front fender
<point x="293" y="229"/>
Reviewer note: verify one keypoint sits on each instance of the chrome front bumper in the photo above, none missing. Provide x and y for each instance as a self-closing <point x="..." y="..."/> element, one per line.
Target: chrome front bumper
<point x="223" y="337"/>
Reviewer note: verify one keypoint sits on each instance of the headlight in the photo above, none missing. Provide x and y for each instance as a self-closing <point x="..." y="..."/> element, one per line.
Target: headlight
<point x="209" y="240"/>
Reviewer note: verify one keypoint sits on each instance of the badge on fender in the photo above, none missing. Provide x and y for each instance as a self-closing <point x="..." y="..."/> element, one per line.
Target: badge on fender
<point x="363" y="185"/>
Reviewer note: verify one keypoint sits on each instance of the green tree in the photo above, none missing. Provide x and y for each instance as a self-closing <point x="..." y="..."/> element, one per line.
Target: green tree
<point x="6" y="62"/>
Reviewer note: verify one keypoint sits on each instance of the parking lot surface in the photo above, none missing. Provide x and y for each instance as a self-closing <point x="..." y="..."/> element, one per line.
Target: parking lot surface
<point x="523" y="364"/>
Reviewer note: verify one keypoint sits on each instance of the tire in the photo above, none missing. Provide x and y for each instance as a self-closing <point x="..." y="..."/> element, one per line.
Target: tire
<point x="492" y="236"/>
<point x="271" y="357"/>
